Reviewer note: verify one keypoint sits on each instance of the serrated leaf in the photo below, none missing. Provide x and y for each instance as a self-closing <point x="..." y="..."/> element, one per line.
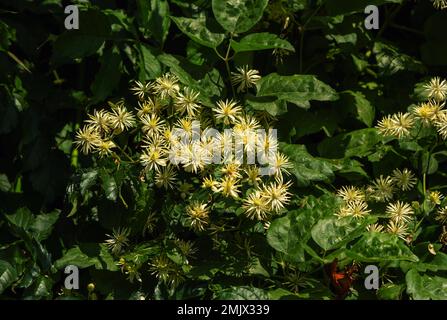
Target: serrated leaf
<point x="297" y="89"/>
<point x="261" y="41"/>
<point x="238" y="16"/>
<point x="201" y="30"/>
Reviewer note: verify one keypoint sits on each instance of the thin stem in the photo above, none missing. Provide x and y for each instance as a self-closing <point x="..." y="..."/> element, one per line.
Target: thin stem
<point x="227" y="65"/>
<point x="19" y="62"/>
<point x="125" y="153"/>
<point x="226" y="59"/>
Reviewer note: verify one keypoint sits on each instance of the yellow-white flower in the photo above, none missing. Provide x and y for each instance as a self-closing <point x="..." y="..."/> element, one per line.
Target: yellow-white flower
<point x="121" y="119"/>
<point x="198" y="213"/>
<point x="100" y="121"/>
<point x="152" y="124"/>
<point x="280" y="164"/>
<point x="441" y="124"/>
<point x="436" y="88"/>
<point x="118" y="240"/>
<point x="104" y="147"/>
<point x="351" y="193"/>
<point x="400" y="212"/>
<point x="404" y="179"/>
<point x="141" y="90"/>
<point x="402" y="124"/>
<point x="440" y="4"/>
<point x="87" y="138"/>
<point x="245" y="78"/>
<point x="149" y="106"/>
<point x="357" y="209"/>
<point x="253" y="175"/>
<point x="227" y="111"/>
<point x="426" y="112"/>
<point x="231" y="170"/>
<point x="229" y="187"/>
<point x="165" y="177"/>
<point x="153" y="157"/>
<point x="375" y="227"/>
<point x="276" y="195"/>
<point x="187" y="102"/>
<point x="400" y="229"/>
<point x="383" y="189"/>
<point x="166" y="86"/>
<point x="210" y="183"/>
<point x="435" y="197"/>
<point x="441" y="215"/>
<point x="256" y="206"/>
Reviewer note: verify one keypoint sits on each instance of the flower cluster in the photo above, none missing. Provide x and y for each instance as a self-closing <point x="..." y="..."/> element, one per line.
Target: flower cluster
<point x="440" y="4"/>
<point x="428" y="113"/>
<point x="172" y="148"/>
<point x="357" y="200"/>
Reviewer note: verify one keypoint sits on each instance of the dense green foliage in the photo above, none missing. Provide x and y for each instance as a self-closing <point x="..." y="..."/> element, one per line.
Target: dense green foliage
<point x="326" y="85"/>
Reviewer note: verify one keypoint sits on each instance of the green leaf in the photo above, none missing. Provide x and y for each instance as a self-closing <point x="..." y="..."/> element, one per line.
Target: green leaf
<point x="378" y="247"/>
<point x="391" y="60"/>
<point x="87" y="255"/>
<point x="426" y="287"/>
<point x="333" y="232"/>
<point x="306" y="168"/>
<point x="41" y="288"/>
<point x="271" y="105"/>
<point x="22" y="218"/>
<point x="43" y="224"/>
<point x="5" y="186"/>
<point x="261" y="41"/>
<point x="290" y="233"/>
<point x="109" y="185"/>
<point x="108" y="76"/>
<point x="359" y="143"/>
<point x="94" y="29"/>
<point x="390" y="291"/>
<point x="242" y="293"/>
<point x="8" y="275"/>
<point x="201" y="30"/>
<point x="150" y="67"/>
<point x="88" y="179"/>
<point x="208" y="83"/>
<point x="159" y="21"/>
<point x="297" y="89"/>
<point x="362" y="108"/>
<point x="238" y="16"/>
